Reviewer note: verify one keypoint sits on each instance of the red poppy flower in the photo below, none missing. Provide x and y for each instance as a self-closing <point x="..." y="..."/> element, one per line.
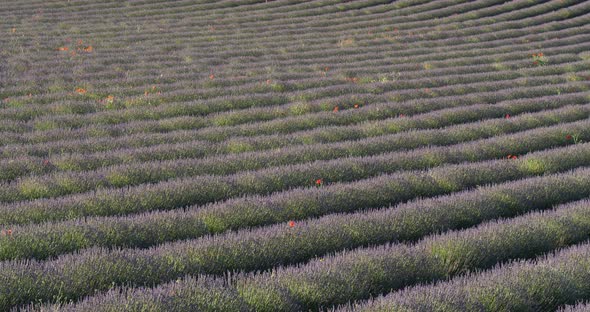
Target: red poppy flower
<point x="568" y="137"/>
<point x="9" y="232"/>
<point x="356" y="106"/>
<point x="291" y="223"/>
<point x="319" y="182"/>
<point x="335" y="109"/>
<point x="211" y="76"/>
<point x="507" y="116"/>
<point x="80" y="91"/>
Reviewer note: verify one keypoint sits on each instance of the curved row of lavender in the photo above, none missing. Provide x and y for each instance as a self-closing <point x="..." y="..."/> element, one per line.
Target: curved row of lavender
<point x="294" y="155"/>
<point x="580" y="307"/>
<point x="359" y="273"/>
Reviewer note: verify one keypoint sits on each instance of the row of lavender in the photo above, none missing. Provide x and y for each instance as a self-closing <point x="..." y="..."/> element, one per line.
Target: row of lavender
<point x="375" y="109"/>
<point x="69" y="162"/>
<point x="272" y="152"/>
<point x="34" y="192"/>
<point x="541" y="285"/>
<point x="53" y="184"/>
<point x="180" y="192"/>
<point x="450" y="78"/>
<point x="225" y="33"/>
<point x="168" y="111"/>
<point x="356" y="274"/>
<point x="471" y="9"/>
<point x="135" y="35"/>
<point x="151" y="228"/>
<point x="329" y="128"/>
<point x="515" y="56"/>
<point x="415" y="52"/>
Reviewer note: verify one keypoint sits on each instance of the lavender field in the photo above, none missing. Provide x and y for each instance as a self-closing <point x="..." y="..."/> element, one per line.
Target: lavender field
<point x="290" y="155"/>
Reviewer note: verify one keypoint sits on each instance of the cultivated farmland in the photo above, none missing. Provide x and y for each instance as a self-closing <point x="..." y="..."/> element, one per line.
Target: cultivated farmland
<point x="290" y="155"/>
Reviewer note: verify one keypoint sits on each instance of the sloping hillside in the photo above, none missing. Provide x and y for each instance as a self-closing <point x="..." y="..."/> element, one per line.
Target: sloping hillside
<point x="249" y="155"/>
